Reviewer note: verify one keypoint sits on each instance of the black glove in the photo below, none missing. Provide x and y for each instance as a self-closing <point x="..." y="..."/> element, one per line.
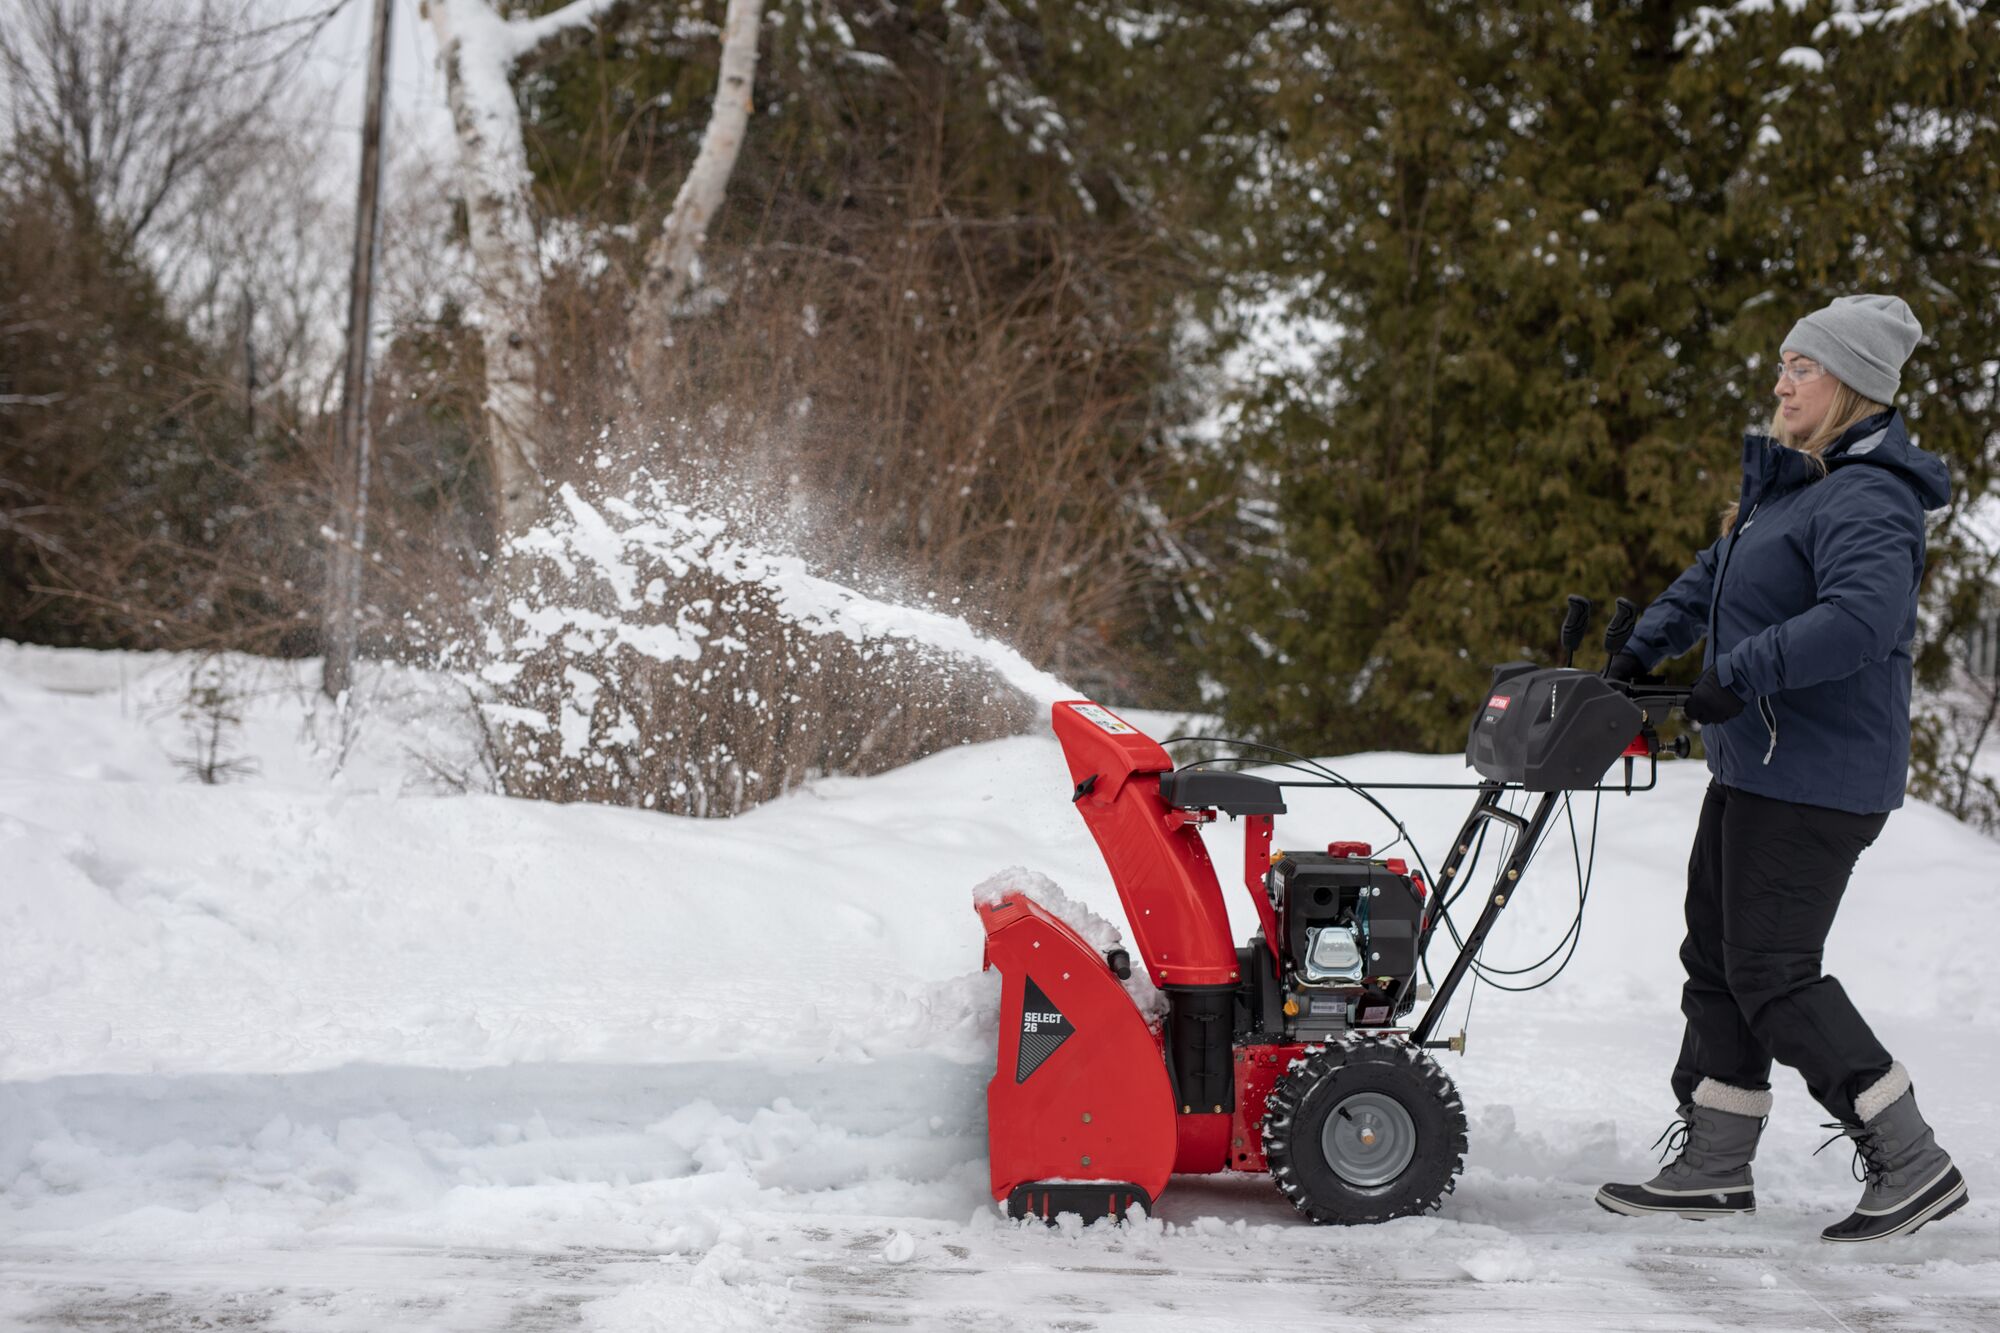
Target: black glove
<point x="1712" y="701"/>
<point x="1624" y="666"/>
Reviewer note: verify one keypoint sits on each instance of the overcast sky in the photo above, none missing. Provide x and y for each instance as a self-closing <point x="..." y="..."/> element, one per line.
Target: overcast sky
<point x="418" y="120"/>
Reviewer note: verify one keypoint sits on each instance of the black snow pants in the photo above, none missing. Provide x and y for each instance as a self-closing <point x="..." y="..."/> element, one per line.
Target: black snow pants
<point x="1764" y="881"/>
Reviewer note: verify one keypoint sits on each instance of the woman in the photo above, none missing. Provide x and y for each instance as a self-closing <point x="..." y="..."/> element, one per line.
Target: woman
<point x="1808" y="603"/>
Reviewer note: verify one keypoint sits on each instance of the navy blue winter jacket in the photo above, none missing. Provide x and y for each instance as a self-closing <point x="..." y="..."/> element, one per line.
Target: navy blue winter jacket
<point x="1808" y="607"/>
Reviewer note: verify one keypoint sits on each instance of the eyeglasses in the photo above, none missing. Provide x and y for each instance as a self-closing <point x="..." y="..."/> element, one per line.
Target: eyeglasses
<point x="1801" y="372"/>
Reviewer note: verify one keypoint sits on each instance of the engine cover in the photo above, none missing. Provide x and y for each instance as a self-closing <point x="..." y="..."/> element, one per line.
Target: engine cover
<point x="1377" y="903"/>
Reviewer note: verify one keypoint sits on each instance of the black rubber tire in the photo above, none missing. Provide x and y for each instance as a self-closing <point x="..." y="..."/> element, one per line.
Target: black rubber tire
<point x="1303" y="1098"/>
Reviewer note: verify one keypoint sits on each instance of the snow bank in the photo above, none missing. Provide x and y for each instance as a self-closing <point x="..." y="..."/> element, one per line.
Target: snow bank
<point x="327" y="910"/>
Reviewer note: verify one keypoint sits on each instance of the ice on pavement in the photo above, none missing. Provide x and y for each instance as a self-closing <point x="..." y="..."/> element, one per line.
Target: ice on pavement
<point x="341" y="1050"/>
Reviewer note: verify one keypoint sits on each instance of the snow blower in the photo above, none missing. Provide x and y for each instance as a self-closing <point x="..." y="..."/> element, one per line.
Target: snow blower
<point x="1292" y="1054"/>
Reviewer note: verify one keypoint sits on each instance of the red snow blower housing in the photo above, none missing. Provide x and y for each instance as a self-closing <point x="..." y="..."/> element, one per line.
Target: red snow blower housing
<point x="1291" y="1054"/>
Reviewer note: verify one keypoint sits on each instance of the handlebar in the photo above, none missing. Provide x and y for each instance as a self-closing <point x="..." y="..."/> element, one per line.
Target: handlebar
<point x="1645" y="692"/>
<point x="1576" y="618"/>
<point x="1624" y="615"/>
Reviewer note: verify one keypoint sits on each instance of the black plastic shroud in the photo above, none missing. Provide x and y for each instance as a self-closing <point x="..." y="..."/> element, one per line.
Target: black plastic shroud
<point x="1550" y="728"/>
<point x="1221" y="789"/>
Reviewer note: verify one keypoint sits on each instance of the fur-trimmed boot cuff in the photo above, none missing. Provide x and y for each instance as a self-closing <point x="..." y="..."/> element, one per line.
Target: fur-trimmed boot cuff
<point x="1883" y="1093"/>
<point x="1738" y="1101"/>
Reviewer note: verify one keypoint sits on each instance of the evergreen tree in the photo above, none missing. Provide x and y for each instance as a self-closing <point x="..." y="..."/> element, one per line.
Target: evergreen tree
<point x="1561" y="250"/>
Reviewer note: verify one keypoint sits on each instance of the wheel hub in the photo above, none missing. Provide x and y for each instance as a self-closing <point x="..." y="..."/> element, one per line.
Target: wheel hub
<point x="1369" y="1139"/>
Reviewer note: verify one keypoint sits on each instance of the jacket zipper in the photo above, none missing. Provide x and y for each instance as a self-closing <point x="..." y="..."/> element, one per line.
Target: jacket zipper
<point x="1764" y="709"/>
<point x="1715" y="598"/>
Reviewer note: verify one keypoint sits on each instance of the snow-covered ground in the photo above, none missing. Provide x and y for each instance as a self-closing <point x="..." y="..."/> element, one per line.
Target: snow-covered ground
<point x="333" y="1047"/>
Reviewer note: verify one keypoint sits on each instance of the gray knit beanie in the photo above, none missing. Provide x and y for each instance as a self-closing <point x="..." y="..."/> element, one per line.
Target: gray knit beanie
<point x="1862" y="340"/>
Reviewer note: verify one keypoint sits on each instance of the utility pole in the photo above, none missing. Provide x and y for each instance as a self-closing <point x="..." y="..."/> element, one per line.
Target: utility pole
<point x="350" y="517"/>
<point x="249" y="367"/>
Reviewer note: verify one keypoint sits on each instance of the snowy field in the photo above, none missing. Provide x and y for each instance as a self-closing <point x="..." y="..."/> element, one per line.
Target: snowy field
<point x="332" y="1047"/>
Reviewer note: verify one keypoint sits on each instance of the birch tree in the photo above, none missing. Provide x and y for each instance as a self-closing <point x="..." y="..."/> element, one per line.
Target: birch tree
<point x="672" y="256"/>
<point x="479" y="49"/>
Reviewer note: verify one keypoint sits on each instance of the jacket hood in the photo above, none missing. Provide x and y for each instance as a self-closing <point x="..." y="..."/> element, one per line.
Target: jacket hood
<point x="1770" y="468"/>
<point x="1881" y="441"/>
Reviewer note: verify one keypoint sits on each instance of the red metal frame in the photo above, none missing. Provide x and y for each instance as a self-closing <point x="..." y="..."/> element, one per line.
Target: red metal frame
<point x="1258" y="1069"/>
<point x="1256" y="866"/>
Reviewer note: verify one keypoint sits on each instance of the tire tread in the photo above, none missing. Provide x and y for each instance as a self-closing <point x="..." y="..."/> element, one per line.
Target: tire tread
<point x="1291" y="1093"/>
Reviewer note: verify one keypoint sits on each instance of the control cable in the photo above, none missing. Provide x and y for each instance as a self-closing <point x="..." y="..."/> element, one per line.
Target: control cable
<point x="1570" y="938"/>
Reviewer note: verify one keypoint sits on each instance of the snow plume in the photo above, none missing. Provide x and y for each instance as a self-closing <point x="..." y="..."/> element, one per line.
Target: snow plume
<point x="660" y="531"/>
<point x="651" y="653"/>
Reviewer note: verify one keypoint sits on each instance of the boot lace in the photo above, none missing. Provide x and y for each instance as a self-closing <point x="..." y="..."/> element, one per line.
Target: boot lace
<point x="1870" y="1162"/>
<point x="1675" y="1137"/>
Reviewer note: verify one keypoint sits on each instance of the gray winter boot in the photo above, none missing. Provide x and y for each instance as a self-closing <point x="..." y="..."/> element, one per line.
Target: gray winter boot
<point x="1710" y="1174"/>
<point x="1907" y="1180"/>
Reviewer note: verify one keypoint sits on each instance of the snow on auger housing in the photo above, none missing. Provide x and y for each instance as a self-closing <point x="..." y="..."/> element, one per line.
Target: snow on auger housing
<point x="1292" y="1054"/>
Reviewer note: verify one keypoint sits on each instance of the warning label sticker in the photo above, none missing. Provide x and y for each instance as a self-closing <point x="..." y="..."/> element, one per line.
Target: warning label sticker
<point x="1104" y="721"/>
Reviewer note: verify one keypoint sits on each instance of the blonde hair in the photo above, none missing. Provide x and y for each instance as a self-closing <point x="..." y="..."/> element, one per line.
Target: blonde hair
<point x="1848" y="406"/>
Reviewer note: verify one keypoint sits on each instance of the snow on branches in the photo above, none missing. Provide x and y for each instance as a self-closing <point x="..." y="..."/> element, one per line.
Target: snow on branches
<point x="653" y="655"/>
<point x="1710" y="24"/>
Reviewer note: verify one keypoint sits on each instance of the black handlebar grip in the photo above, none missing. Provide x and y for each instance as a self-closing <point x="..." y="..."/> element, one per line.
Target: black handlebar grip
<point x="1624" y="615"/>
<point x="1575" y="620"/>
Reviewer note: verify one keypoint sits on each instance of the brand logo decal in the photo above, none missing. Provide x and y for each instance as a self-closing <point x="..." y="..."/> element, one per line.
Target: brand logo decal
<point x="1499" y="701"/>
<point x="1043" y="1029"/>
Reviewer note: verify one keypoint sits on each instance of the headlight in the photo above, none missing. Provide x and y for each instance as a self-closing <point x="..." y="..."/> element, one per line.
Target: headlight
<point x="1333" y="953"/>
